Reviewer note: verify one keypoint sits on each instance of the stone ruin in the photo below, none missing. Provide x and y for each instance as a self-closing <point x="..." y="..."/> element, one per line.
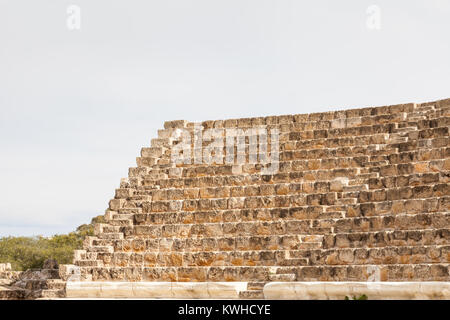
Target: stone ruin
<point x="44" y="283"/>
<point x="319" y="205"/>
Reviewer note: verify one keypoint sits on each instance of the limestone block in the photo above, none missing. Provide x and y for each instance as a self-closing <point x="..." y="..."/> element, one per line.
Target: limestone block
<point x="87" y="289"/>
<point x="116" y="289"/>
<point x="373" y="290"/>
<point x="175" y="124"/>
<point x="155" y="290"/>
<point x="152" y="290"/>
<point x="69" y="272"/>
<point x="190" y="290"/>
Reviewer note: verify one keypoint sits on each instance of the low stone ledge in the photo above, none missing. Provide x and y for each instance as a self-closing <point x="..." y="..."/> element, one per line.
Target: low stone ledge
<point x="373" y="290"/>
<point x="155" y="290"/>
<point x="272" y="290"/>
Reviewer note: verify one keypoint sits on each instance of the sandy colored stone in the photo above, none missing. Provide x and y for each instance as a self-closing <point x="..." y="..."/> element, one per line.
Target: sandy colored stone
<point x="353" y="188"/>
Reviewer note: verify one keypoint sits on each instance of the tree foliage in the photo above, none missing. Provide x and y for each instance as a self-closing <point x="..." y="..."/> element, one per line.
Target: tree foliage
<point x="30" y="252"/>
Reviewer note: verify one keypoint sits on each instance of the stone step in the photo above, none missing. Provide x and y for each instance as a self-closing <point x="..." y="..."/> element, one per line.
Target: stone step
<point x="212" y="258"/>
<point x="362" y="179"/>
<point x="154" y="152"/>
<point x="330" y="256"/>
<point x="124" y="193"/>
<point x="359" y="187"/>
<point x="317" y="212"/>
<point x="199" y="192"/>
<point x="49" y="294"/>
<point x="264" y="189"/>
<point x="297" y="169"/>
<point x="304" y="151"/>
<point x="424" y="108"/>
<point x="297" y="224"/>
<point x="13" y="293"/>
<point x="375" y="163"/>
<point x="416" y="117"/>
<point x="112" y="236"/>
<point x="338" y="150"/>
<point x="405" y="129"/>
<point x="44" y="284"/>
<point x="419" y="190"/>
<point x="295" y="153"/>
<point x="146" y="162"/>
<point x="89" y="263"/>
<point x="283" y="277"/>
<point x="106" y="249"/>
<point x="114" y="225"/>
<point x="125" y="213"/>
<point x="339" y="119"/>
<point x="341" y="132"/>
<point x="404" y="193"/>
<point x="13" y="275"/>
<point x="331" y="123"/>
<point x="396" y="138"/>
<point x="160" y="142"/>
<point x="294" y="262"/>
<point x="346" y="201"/>
<point x="56" y="284"/>
<point x="389" y="238"/>
<point x="81" y="254"/>
<point x="157" y="174"/>
<point x="175" y="124"/>
<point x="289" y="129"/>
<point x="385" y="255"/>
<point x="101" y="227"/>
<point x="92" y="255"/>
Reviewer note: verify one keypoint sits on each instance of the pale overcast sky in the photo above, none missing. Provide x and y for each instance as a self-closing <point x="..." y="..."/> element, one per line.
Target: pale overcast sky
<point x="76" y="106"/>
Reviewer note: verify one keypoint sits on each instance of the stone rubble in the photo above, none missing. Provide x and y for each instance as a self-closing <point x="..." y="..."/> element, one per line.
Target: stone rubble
<point x="42" y="283"/>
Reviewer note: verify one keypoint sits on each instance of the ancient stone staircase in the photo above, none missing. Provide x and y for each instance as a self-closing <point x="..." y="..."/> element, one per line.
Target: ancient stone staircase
<point x="357" y="190"/>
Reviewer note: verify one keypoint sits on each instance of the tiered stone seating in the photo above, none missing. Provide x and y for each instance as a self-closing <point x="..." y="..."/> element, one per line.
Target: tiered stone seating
<point x="356" y="191"/>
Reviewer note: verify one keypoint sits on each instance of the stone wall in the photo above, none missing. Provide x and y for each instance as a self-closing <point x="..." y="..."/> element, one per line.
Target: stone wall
<point x="359" y="195"/>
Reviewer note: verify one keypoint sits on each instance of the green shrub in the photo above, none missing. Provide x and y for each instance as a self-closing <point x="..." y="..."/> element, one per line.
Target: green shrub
<point x="30" y="252"/>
